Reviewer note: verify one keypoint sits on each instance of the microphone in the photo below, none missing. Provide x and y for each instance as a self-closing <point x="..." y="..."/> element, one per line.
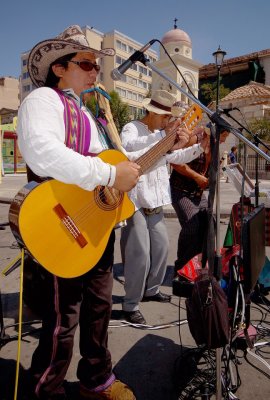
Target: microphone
<point x="117" y="73"/>
<point x="227" y="110"/>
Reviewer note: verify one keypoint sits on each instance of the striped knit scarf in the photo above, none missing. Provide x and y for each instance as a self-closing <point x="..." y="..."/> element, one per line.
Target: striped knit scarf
<point x="77" y="125"/>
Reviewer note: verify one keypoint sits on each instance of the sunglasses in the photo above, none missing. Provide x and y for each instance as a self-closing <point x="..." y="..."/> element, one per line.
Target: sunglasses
<point x="86" y="65"/>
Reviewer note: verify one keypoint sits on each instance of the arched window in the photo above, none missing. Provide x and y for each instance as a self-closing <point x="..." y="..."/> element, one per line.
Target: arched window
<point x="189" y="78"/>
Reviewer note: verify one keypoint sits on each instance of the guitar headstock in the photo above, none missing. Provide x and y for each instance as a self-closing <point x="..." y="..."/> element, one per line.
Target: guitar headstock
<point x="104" y="103"/>
<point x="192" y="117"/>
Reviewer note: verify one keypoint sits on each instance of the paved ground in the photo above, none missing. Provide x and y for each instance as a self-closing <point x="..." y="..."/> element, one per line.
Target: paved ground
<point x="147" y="359"/>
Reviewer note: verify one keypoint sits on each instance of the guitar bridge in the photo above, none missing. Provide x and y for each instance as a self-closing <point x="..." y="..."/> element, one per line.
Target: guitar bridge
<point x="70" y="225"/>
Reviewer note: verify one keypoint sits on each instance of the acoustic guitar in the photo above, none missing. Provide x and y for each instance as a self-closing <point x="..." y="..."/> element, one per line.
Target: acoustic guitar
<point x="66" y="228"/>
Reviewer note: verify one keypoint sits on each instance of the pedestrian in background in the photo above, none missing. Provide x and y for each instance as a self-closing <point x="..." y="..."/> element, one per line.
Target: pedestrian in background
<point x="233" y="155"/>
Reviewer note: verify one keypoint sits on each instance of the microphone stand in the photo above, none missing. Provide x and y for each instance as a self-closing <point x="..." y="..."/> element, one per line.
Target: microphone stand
<point x="221" y="124"/>
<point x="256" y="141"/>
<point x="4" y="337"/>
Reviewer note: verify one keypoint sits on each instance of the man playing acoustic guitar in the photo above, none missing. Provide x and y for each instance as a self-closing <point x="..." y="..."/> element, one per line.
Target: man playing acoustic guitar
<point x="144" y="240"/>
<point x="59" y="138"/>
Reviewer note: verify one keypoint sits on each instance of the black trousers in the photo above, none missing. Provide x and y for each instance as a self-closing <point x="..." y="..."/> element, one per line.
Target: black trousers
<point x="191" y="213"/>
<point x="87" y="301"/>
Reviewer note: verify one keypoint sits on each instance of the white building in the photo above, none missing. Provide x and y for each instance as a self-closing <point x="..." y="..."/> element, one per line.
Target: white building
<point x="178" y="45"/>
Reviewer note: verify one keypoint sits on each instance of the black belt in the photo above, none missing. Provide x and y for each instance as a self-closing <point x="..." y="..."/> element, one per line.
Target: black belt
<point x="193" y="194"/>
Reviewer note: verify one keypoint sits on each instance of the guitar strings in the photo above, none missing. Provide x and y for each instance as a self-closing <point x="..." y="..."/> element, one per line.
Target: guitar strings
<point x="91" y="208"/>
<point x="193" y="117"/>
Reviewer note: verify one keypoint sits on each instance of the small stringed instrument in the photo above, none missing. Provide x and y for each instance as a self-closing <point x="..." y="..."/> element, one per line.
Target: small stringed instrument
<point x="104" y="103"/>
<point x="65" y="228"/>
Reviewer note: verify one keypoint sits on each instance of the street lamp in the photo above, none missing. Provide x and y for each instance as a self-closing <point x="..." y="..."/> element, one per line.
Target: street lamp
<point x="219" y="57"/>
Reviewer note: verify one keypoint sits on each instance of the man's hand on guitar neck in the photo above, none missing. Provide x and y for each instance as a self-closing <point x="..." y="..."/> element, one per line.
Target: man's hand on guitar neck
<point x="127" y="175"/>
<point x="182" y="138"/>
<point x="182" y="133"/>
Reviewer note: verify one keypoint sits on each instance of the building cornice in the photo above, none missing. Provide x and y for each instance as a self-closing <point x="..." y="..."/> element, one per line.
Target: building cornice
<point x="234" y="64"/>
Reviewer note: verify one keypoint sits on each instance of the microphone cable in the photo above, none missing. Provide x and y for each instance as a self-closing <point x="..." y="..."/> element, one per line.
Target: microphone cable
<point x="124" y="324"/>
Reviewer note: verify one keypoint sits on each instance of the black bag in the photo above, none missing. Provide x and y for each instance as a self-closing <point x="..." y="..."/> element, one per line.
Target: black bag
<point x="207" y="312"/>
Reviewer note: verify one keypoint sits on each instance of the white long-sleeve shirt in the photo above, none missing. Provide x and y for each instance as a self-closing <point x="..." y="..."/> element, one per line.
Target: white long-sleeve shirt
<point x="41" y="139"/>
<point x="153" y="188"/>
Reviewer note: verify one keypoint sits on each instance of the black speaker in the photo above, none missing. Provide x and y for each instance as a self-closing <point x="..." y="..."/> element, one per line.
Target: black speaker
<point x="253" y="243"/>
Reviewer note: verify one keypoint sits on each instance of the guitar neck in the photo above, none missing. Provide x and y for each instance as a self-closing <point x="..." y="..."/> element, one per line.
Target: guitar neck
<point x="148" y="159"/>
<point x="190" y="120"/>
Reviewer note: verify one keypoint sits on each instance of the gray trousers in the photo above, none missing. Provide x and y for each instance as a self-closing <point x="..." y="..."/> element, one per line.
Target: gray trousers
<point x="144" y="247"/>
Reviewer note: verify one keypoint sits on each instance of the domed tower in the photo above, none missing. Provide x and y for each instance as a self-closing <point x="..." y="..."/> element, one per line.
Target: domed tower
<point x="179" y="46"/>
<point x="176" y="41"/>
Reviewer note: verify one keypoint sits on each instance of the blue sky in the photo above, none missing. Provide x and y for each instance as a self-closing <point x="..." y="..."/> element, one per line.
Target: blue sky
<point x="238" y="26"/>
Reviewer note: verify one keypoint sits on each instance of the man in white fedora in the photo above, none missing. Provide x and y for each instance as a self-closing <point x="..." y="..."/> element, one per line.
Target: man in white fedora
<point x="144" y="240"/>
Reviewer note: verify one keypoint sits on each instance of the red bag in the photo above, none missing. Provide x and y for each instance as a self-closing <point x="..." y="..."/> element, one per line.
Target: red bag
<point x="227" y="253"/>
<point x="191" y="268"/>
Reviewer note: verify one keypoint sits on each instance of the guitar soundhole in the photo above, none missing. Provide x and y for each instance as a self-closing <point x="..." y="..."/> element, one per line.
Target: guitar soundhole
<point x="108" y="198"/>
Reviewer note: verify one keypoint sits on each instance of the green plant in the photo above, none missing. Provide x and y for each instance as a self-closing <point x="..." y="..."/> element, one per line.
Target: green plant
<point x="120" y="111"/>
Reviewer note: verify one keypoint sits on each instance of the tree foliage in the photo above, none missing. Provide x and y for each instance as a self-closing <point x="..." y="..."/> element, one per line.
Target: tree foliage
<point x="208" y="92"/>
<point x="120" y="111"/>
<point x="261" y="127"/>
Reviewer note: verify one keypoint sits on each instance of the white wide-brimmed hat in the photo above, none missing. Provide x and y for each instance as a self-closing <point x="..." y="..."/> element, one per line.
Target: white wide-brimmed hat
<point x="43" y="54"/>
<point x="160" y="103"/>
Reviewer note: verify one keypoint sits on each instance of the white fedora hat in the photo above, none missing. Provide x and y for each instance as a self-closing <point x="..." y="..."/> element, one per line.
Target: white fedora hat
<point x="43" y="54"/>
<point x="160" y="103"/>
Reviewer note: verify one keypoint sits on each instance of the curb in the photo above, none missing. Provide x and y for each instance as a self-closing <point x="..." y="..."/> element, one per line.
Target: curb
<point x="172" y="215"/>
<point x="5" y="200"/>
<point x="168" y="212"/>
